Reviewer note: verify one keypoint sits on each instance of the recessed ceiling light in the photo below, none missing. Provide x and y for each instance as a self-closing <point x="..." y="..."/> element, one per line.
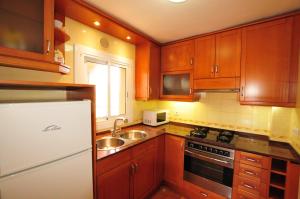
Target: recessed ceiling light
<point x="128" y="37"/>
<point x="97" y="23"/>
<point x="177" y="1"/>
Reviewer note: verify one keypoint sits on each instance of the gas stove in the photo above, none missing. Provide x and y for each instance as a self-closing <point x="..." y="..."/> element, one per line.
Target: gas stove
<point x="225" y="137"/>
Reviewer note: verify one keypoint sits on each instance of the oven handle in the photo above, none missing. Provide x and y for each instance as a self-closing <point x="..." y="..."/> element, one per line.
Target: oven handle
<point x="203" y="157"/>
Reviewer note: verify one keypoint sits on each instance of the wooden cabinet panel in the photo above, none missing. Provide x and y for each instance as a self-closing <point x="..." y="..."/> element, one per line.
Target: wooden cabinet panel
<point x="228" y="54"/>
<point x="253" y="160"/>
<point x="251" y="172"/>
<point x="196" y="192"/>
<point x="254" y="187"/>
<point x="115" y="183"/>
<point x="266" y="62"/>
<point x="147" y="71"/>
<point x="205" y="52"/>
<point x="174" y="153"/>
<point x="292" y="181"/>
<point x="178" y="56"/>
<point x="217" y="83"/>
<point x="144" y="174"/>
<point x="159" y="160"/>
<point x="242" y="194"/>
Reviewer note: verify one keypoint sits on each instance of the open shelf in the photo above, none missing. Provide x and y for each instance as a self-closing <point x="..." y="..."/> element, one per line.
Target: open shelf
<point x="275" y="193"/>
<point x="279" y="166"/>
<point x="277" y="181"/>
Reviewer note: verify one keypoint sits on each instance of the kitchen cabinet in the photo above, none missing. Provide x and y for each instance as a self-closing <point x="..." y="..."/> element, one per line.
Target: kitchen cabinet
<point x="174" y="154"/>
<point x="178" y="56"/>
<point x="196" y="192"/>
<point x="128" y="174"/>
<point x="177" y="86"/>
<point x="115" y="183"/>
<point x="147" y="70"/>
<point x="159" y="161"/>
<point x="266" y="62"/>
<point x="27" y="34"/>
<point x="217" y="61"/>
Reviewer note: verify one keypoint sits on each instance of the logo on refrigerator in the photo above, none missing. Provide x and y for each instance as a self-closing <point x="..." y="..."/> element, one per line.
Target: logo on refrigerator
<point x="52" y="128"/>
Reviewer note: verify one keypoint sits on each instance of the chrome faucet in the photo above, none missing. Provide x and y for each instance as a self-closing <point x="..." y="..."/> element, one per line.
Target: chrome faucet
<point x="116" y="130"/>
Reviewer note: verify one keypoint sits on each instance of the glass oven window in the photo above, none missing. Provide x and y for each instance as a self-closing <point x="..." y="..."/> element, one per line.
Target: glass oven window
<point x="161" y="117"/>
<point x="208" y="170"/>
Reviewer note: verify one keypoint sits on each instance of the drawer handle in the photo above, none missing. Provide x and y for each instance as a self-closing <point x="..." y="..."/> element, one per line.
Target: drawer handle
<point x="251" y="160"/>
<point x="250" y="173"/>
<point x="249" y="186"/>
<point x="203" y="194"/>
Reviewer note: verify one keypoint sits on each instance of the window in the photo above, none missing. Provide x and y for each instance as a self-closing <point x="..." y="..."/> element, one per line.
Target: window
<point x="113" y="79"/>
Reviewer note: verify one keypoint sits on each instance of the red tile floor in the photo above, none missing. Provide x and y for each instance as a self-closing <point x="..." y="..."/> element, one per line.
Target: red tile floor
<point x="166" y="193"/>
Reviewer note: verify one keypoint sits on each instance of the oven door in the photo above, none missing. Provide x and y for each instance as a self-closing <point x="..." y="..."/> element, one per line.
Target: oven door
<point x="208" y="172"/>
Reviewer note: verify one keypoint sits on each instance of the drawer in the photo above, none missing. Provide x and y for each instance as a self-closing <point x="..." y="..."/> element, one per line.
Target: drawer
<point x="251" y="172"/>
<point x="143" y="147"/>
<point x="195" y="192"/>
<point x="241" y="194"/>
<point x="254" y="187"/>
<point x="253" y="159"/>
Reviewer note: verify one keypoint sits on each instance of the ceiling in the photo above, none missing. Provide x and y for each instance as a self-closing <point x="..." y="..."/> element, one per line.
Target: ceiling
<point x="165" y="21"/>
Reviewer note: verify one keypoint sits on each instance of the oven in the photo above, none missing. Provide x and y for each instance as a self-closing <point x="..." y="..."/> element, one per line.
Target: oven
<point x="210" y="167"/>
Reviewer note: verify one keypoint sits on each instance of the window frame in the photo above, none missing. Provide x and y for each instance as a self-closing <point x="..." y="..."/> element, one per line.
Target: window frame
<point x="81" y="55"/>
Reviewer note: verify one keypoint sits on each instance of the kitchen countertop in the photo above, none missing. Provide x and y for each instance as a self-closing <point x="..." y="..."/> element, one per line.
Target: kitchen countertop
<point x="245" y="142"/>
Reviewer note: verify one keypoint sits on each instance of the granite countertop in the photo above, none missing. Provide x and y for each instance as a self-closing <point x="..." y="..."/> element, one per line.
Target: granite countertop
<point x="245" y="142"/>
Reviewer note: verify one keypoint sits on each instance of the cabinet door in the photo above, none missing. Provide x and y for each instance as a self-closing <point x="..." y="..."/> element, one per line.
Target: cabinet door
<point x="177" y="85"/>
<point x="174" y="152"/>
<point x="178" y="56"/>
<point x="160" y="157"/>
<point x="205" y="52"/>
<point x="27" y="29"/>
<point x="115" y="183"/>
<point x="144" y="174"/>
<point x="147" y="71"/>
<point x="228" y="54"/>
<point x="266" y="62"/>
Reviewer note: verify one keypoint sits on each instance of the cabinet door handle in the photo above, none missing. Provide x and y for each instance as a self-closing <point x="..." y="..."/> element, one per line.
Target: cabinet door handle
<point x="191" y="91"/>
<point x="212" y="69"/>
<point x="132" y="169"/>
<point x="48" y="46"/>
<point x="203" y="194"/>
<point x="251" y="159"/>
<point x="250" y="173"/>
<point x="191" y="61"/>
<point x="249" y="186"/>
<point x="217" y="68"/>
<point x="242" y="91"/>
<point x="150" y="90"/>
<point x="136" y="166"/>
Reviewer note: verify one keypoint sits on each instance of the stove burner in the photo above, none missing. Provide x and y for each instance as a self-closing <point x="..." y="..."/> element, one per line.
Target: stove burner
<point x="225" y="136"/>
<point x="200" y="132"/>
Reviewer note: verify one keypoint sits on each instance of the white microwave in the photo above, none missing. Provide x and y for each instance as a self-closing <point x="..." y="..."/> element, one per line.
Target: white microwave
<point x="155" y="117"/>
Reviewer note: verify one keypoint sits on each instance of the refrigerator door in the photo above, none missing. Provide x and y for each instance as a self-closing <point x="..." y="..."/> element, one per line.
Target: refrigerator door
<point x="36" y="133"/>
<point x="69" y="178"/>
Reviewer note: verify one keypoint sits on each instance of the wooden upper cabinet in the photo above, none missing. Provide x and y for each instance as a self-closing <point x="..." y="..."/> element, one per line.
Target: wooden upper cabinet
<point x="27" y="30"/>
<point x="217" y="61"/>
<point x="147" y="71"/>
<point x="205" y="52"/>
<point x="266" y="63"/>
<point x="178" y="57"/>
<point x="228" y="54"/>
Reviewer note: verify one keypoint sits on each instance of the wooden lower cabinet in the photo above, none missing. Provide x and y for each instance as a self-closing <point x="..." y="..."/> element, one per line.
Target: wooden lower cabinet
<point x="174" y="153"/>
<point x="159" y="160"/>
<point x="128" y="174"/>
<point x="115" y="183"/>
<point x="195" y="192"/>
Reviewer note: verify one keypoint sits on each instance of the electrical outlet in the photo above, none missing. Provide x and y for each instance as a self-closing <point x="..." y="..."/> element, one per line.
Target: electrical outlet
<point x="296" y="131"/>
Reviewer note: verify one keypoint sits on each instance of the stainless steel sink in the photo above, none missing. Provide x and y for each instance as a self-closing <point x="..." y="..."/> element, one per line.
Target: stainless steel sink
<point x="134" y="135"/>
<point x="109" y="143"/>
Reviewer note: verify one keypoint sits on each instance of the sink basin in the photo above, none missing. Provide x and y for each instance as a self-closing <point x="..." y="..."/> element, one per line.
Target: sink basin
<point x="134" y="135"/>
<point x="109" y="143"/>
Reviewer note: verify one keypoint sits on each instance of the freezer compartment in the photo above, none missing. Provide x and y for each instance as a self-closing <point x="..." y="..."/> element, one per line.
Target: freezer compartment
<point x="67" y="178"/>
<point x="36" y="133"/>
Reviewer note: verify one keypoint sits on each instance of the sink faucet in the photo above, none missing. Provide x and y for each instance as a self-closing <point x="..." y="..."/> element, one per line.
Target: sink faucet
<point x="116" y="130"/>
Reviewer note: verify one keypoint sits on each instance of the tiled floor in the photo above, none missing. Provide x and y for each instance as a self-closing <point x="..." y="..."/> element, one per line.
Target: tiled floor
<point x="166" y="193"/>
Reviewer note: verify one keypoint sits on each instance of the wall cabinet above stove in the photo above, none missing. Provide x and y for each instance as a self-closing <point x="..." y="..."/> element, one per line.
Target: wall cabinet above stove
<point x="217" y="61"/>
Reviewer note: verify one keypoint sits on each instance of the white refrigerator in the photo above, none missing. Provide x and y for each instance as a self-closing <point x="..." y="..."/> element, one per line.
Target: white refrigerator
<point x="46" y="150"/>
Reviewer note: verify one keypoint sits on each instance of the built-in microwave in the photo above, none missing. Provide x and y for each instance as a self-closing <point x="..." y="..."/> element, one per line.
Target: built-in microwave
<point x="155" y="117"/>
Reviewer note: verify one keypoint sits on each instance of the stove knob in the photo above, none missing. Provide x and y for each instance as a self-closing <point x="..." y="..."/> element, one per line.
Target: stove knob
<point x="191" y="145"/>
<point x="204" y="148"/>
<point x="226" y="153"/>
<point x="215" y="151"/>
<point x="209" y="149"/>
<point x="220" y="152"/>
<point x="200" y="147"/>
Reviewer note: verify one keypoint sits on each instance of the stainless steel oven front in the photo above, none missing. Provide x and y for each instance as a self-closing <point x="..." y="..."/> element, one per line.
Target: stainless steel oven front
<point x="210" y="167"/>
